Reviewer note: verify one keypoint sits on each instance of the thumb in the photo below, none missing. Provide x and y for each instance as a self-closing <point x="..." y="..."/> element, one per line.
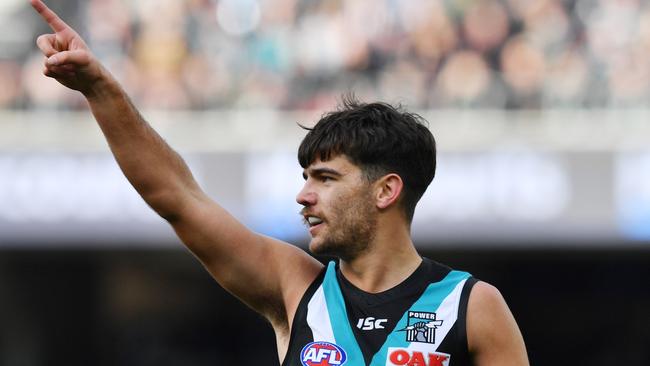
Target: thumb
<point x="74" y="57"/>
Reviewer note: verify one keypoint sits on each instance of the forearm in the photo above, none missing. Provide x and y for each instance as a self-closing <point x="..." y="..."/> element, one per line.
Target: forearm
<point x="156" y="171"/>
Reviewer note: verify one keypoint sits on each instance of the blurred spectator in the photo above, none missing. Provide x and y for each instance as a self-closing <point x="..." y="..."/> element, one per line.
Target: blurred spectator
<point x="431" y="31"/>
<point x="110" y="33"/>
<point x="523" y="66"/>
<point x="546" y="22"/>
<point x="206" y="54"/>
<point x="566" y="79"/>
<point x="464" y="80"/>
<point x="485" y="24"/>
<point x="403" y="82"/>
<point x="11" y="83"/>
<point x="42" y="91"/>
<point x="629" y="78"/>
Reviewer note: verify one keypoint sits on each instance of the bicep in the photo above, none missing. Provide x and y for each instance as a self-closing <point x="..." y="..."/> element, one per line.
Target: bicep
<point x="266" y="274"/>
<point x="492" y="332"/>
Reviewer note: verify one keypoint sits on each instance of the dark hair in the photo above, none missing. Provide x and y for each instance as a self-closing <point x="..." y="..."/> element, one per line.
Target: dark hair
<point x="379" y="139"/>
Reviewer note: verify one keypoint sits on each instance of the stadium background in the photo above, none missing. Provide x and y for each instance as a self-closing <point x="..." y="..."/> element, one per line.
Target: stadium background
<point x="541" y="113"/>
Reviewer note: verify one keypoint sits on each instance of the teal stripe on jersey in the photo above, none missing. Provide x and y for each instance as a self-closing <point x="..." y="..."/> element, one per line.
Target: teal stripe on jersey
<point x="343" y="333"/>
<point x="430" y="300"/>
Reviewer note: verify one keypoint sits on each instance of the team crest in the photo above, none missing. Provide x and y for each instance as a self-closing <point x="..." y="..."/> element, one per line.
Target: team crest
<point x="421" y="327"/>
<point x="322" y="354"/>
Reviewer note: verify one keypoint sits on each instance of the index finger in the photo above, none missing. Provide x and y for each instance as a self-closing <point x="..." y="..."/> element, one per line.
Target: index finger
<point x="50" y="17"/>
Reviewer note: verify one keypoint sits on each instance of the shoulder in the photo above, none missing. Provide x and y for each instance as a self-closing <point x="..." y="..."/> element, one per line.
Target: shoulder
<point x="486" y="309"/>
<point x="493" y="336"/>
<point x="485" y="298"/>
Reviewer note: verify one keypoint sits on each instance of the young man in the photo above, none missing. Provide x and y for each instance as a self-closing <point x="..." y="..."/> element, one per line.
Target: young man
<point x="365" y="167"/>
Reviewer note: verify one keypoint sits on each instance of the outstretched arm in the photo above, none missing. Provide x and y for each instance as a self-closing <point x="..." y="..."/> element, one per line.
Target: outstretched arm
<point x="268" y="275"/>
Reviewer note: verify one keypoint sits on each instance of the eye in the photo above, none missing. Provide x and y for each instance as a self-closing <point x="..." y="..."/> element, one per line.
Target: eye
<point x="325" y="178"/>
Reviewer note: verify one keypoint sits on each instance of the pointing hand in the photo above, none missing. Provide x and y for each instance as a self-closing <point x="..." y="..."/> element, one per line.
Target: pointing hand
<point x="67" y="57"/>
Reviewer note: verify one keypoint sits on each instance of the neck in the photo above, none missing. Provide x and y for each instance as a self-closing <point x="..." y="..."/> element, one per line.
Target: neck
<point x="389" y="261"/>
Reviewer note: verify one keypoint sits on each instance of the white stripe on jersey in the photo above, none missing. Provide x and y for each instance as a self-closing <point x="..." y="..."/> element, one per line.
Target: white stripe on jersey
<point x="448" y="313"/>
<point x="318" y="317"/>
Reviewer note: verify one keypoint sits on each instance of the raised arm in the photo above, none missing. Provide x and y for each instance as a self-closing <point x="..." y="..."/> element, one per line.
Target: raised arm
<point x="268" y="275"/>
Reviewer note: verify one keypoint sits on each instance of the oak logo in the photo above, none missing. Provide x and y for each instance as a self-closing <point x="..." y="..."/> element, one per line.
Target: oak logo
<point x="405" y="357"/>
<point x="371" y="323"/>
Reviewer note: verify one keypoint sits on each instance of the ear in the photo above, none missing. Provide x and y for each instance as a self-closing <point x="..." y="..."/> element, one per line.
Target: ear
<point x="388" y="189"/>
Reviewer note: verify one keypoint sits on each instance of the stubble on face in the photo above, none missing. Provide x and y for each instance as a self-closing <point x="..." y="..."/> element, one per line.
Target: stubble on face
<point x="351" y="224"/>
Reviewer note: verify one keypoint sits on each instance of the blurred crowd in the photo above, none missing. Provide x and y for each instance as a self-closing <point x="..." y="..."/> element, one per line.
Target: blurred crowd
<point x="303" y="54"/>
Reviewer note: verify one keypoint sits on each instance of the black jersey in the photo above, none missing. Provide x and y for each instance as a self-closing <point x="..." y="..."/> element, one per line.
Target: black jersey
<point x="420" y="322"/>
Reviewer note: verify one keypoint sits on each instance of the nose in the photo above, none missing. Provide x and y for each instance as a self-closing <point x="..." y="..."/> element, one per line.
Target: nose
<point x="306" y="196"/>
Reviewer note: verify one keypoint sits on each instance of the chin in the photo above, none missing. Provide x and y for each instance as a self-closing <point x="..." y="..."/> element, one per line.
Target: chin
<point x="318" y="247"/>
<point x="329" y="249"/>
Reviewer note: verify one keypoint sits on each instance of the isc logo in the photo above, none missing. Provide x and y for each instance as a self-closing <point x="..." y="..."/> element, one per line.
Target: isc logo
<point x="322" y="354"/>
<point x="402" y="357"/>
<point x="371" y="323"/>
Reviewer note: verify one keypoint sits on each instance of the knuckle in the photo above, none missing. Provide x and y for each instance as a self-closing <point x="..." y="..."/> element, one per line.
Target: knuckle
<point x="44" y="38"/>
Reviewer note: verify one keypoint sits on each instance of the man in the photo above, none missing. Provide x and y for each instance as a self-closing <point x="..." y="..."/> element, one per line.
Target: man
<point x="365" y="167"/>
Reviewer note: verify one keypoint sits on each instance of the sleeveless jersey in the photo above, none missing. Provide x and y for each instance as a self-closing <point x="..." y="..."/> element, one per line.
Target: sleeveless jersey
<point x="420" y="322"/>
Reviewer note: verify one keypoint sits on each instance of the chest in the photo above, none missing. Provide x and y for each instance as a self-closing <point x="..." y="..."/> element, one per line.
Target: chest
<point x="413" y="329"/>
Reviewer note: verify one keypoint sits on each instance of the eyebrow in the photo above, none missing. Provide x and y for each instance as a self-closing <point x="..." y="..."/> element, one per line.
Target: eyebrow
<point x="320" y="171"/>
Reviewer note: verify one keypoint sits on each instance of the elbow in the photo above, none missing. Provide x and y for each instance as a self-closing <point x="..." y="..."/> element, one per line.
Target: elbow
<point x="168" y="205"/>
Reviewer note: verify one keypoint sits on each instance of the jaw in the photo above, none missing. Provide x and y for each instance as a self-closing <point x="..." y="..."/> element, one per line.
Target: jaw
<point x="344" y="248"/>
<point x="317" y="245"/>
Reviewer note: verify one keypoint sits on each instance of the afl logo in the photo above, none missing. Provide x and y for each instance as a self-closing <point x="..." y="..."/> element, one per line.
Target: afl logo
<point x="322" y="354"/>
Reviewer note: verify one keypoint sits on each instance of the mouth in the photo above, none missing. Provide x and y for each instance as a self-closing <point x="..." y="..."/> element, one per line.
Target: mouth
<point x="313" y="223"/>
<point x="313" y="220"/>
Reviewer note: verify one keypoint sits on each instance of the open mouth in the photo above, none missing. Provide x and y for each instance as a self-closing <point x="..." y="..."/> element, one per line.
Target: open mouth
<point x="313" y="221"/>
